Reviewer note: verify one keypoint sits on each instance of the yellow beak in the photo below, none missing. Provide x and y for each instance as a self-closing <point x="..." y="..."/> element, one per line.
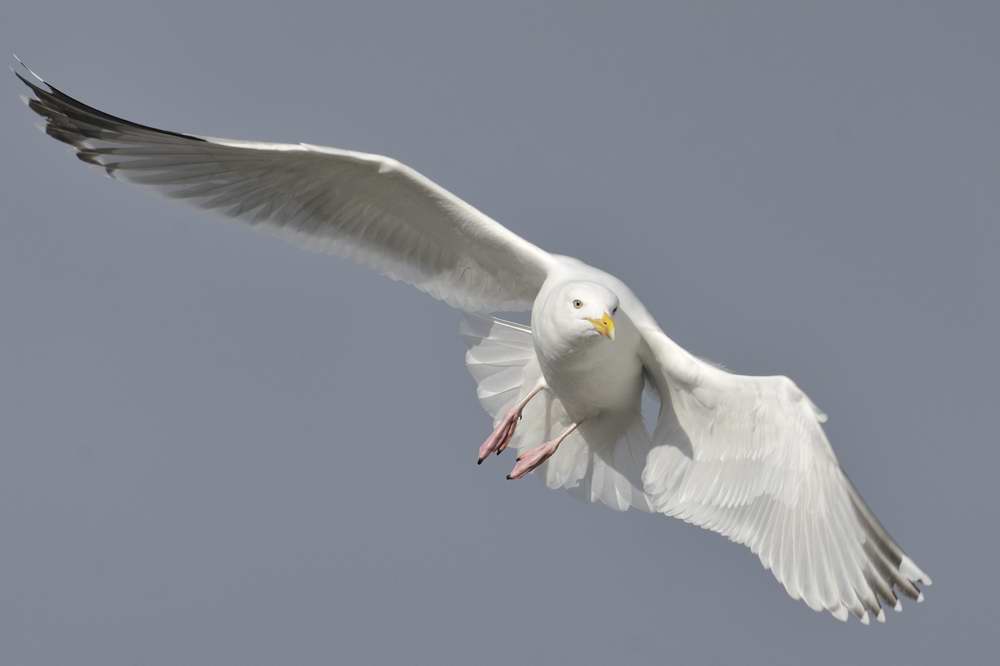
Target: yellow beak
<point x="605" y="326"/>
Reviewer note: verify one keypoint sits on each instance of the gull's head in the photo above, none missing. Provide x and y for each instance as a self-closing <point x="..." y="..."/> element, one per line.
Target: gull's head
<point x="586" y="310"/>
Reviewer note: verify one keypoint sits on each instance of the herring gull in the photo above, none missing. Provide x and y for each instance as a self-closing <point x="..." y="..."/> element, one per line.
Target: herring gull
<point x="741" y="455"/>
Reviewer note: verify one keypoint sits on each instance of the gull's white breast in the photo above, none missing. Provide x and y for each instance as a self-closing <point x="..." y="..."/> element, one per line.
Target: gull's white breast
<point x="591" y="376"/>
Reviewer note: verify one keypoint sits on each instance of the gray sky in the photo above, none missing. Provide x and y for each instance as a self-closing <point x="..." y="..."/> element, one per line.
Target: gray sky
<point x="219" y="449"/>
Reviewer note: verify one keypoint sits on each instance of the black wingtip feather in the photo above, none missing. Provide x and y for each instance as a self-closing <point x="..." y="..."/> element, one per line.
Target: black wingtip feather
<point x="30" y="71"/>
<point x="74" y="116"/>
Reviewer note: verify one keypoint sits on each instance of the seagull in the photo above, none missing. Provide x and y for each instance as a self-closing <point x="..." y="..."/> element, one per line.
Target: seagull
<point x="744" y="456"/>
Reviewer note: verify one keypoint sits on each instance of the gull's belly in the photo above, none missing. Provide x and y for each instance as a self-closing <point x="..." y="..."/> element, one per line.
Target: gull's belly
<point x="585" y="389"/>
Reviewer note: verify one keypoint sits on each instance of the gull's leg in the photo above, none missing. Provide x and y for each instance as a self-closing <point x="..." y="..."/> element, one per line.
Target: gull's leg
<point x="532" y="458"/>
<point x="498" y="441"/>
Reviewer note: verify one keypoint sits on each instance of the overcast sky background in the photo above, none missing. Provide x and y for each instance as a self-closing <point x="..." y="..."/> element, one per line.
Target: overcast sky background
<point x="219" y="449"/>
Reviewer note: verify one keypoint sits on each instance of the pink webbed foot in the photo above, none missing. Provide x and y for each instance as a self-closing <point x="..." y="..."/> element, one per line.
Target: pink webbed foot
<point x="532" y="458"/>
<point x="501" y="437"/>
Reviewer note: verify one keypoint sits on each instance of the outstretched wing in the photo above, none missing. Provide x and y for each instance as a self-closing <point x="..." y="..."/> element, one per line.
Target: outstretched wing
<point x="747" y="457"/>
<point x="367" y="207"/>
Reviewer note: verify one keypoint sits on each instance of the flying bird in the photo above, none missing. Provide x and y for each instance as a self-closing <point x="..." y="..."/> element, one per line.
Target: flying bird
<point x="741" y="455"/>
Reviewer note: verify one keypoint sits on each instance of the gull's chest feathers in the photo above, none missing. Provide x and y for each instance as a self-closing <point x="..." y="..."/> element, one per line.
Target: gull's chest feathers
<point x="594" y="376"/>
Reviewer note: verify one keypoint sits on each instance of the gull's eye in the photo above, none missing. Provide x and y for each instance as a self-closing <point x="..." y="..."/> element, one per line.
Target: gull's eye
<point x="577" y="303"/>
<point x="614" y="310"/>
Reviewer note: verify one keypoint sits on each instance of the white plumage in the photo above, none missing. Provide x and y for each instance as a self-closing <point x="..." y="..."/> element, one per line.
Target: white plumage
<point x="743" y="456"/>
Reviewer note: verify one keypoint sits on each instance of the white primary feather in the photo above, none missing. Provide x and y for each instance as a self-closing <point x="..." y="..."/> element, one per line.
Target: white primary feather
<point x="744" y="456"/>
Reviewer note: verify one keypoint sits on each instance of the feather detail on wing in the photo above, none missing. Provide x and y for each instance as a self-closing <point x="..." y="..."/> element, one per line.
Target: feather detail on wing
<point x="748" y="458"/>
<point x="369" y="208"/>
